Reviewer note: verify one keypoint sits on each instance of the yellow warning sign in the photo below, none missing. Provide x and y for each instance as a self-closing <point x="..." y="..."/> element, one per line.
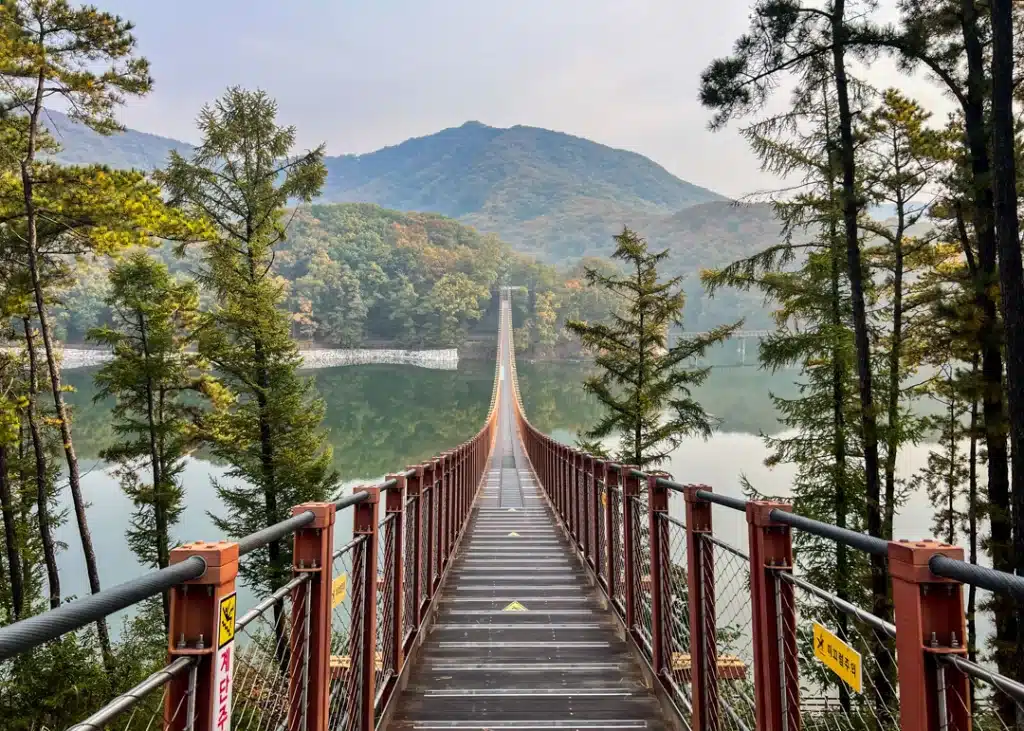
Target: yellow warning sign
<point x="515" y="607"/>
<point x="838" y="656"/>
<point x="513" y="534"/>
<point x="338" y="588"/>
<point x="226" y="626"/>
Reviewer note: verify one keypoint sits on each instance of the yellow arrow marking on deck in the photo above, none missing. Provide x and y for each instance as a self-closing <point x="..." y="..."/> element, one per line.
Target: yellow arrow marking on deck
<point x="513" y="534"/>
<point x="515" y="607"/>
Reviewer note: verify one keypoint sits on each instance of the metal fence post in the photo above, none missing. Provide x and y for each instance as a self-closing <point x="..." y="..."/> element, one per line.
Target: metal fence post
<point x="197" y="610"/>
<point x="310" y="655"/>
<point x="395" y="504"/>
<point x="930" y="621"/>
<point x="630" y="490"/>
<point x="700" y="581"/>
<point x="612" y="472"/>
<point x="774" y="613"/>
<point x="414" y="489"/>
<point x="365" y="522"/>
<point x="661" y="598"/>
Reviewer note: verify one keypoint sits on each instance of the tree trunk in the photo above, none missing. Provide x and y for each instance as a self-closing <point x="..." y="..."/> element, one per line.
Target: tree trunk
<point x="74" y="479"/>
<point x="1011" y="277"/>
<point x="155" y="466"/>
<point x="11" y="540"/>
<point x="42" y="480"/>
<point x="993" y="409"/>
<point x="972" y="520"/>
<point x="879" y="571"/>
<point x="895" y="356"/>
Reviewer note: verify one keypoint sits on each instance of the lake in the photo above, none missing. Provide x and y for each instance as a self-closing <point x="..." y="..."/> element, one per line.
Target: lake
<point x="384" y="417"/>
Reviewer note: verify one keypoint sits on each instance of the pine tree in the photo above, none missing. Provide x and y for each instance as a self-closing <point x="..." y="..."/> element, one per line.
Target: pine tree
<point x="83" y="58"/>
<point x="644" y="387"/>
<point x="154" y="326"/>
<point x="240" y="178"/>
<point x="805" y="276"/>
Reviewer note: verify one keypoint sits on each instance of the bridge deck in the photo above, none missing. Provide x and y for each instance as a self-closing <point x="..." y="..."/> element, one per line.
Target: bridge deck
<point x="555" y="663"/>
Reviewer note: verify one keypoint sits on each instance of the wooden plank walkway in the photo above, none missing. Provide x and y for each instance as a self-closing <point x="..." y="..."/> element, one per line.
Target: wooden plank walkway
<point x="520" y="640"/>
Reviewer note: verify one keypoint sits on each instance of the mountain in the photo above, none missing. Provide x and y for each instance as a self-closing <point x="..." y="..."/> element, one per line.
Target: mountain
<point x="128" y="149"/>
<point x="532" y="186"/>
<point x="552" y="195"/>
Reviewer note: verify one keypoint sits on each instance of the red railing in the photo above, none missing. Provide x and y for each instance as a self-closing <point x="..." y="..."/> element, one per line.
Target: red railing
<point x="729" y="634"/>
<point x="329" y="649"/>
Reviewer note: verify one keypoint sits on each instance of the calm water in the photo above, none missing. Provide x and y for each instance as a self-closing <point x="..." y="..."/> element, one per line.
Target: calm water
<point x="383" y="417"/>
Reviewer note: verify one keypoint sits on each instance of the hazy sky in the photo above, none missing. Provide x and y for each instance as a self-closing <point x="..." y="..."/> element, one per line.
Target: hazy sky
<point x="362" y="74"/>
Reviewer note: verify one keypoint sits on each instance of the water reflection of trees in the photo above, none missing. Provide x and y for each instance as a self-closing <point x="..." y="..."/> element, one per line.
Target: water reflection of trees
<point x="380" y="417"/>
<point x="738" y="397"/>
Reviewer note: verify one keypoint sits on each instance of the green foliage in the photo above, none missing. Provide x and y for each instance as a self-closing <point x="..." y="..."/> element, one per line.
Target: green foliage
<point x="643" y="384"/>
<point x="240" y="179"/>
<point x="155" y="324"/>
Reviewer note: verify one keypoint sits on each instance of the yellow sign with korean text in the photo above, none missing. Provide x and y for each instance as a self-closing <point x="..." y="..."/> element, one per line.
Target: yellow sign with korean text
<point x="838" y="657"/>
<point x="338" y="588"/>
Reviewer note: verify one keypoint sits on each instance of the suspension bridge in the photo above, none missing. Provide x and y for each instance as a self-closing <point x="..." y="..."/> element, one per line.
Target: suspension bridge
<point x="515" y="583"/>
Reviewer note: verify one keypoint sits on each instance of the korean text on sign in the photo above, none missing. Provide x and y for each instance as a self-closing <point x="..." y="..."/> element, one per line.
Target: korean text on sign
<point x="838" y="657"/>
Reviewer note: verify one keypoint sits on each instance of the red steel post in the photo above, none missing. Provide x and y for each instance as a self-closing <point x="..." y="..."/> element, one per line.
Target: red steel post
<point x="197" y="608"/>
<point x="777" y="701"/>
<point x="630" y="489"/>
<point x="414" y="490"/>
<point x="394" y="504"/>
<point x="930" y="621"/>
<point x="365" y="523"/>
<point x="700" y="581"/>
<point x="661" y="598"/>
<point x="311" y="554"/>
<point x="612" y="480"/>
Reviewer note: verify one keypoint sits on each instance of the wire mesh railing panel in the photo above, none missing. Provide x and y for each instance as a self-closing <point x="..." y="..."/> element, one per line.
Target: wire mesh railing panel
<point x="344" y="709"/>
<point x="412" y="505"/>
<point x="677" y="602"/>
<point x="993" y="702"/>
<point x="386" y="640"/>
<point x="600" y="534"/>
<point x="144" y="707"/>
<point x="615" y="546"/>
<point x="425" y="572"/>
<point x="731" y="632"/>
<point x="435" y="564"/>
<point x="642" y="571"/>
<point x="262" y="695"/>
<point x="846" y="661"/>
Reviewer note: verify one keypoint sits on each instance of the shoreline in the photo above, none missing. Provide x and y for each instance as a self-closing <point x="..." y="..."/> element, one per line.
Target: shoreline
<point x="439" y="359"/>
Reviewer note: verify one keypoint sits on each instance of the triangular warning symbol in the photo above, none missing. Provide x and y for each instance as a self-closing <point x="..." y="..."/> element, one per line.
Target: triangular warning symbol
<point x="513" y="534"/>
<point x="515" y="607"/>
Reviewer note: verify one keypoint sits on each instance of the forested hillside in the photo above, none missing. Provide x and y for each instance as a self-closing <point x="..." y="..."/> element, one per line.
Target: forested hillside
<point x="356" y="274"/>
<point x="550" y="195"/>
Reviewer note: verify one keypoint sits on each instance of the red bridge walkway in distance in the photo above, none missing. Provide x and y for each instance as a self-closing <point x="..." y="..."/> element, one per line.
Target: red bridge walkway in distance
<point x="520" y="639"/>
